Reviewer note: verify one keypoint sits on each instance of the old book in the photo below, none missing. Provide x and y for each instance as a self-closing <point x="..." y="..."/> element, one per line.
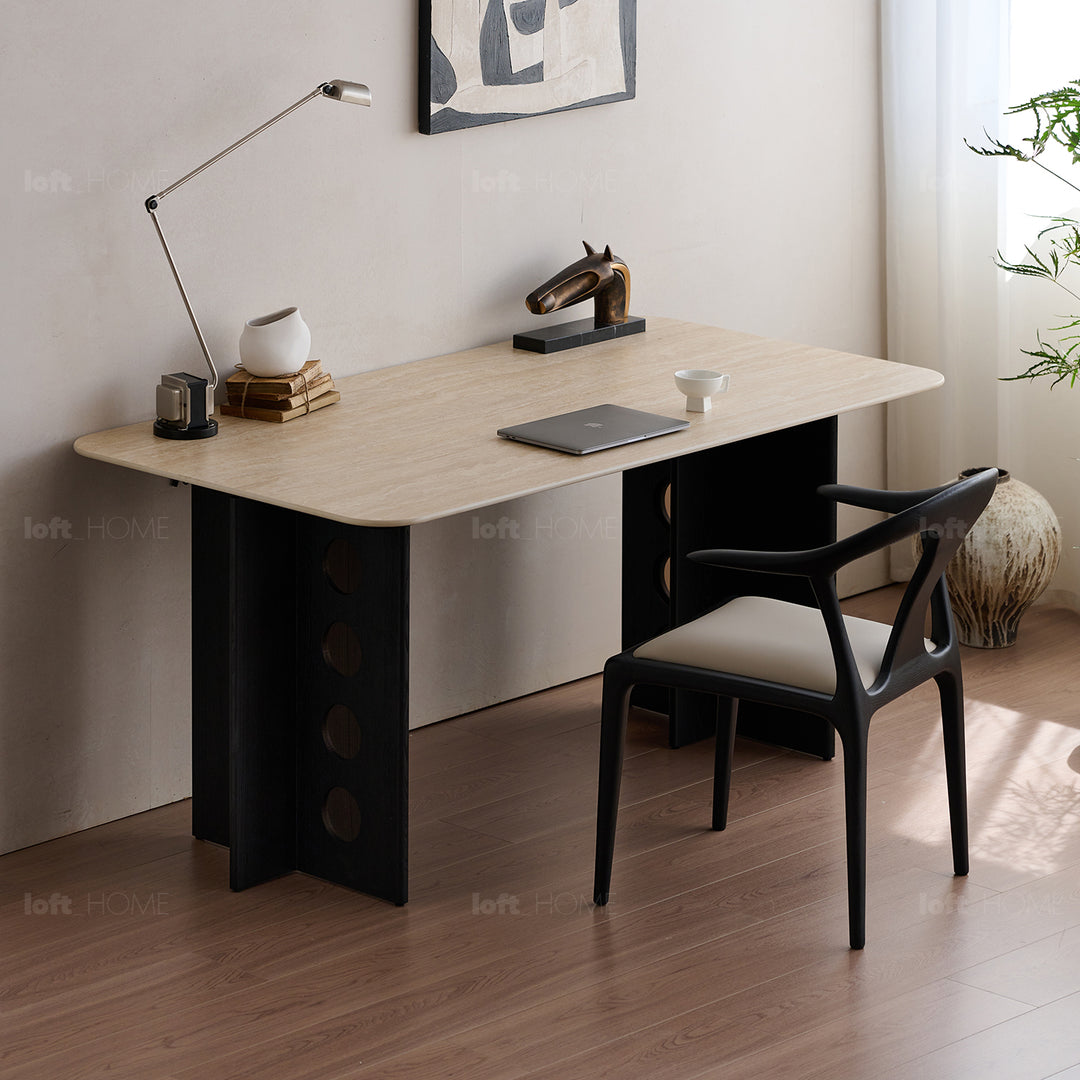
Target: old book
<point x="284" y="401"/>
<point x="250" y="412"/>
<point x="281" y="385"/>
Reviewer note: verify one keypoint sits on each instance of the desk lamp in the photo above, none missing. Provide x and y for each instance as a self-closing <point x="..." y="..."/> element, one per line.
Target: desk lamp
<point x="185" y="402"/>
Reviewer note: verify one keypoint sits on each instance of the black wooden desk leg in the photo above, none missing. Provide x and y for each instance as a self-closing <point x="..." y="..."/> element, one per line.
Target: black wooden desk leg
<point x="646" y="566"/>
<point x="353" y="709"/>
<point x="211" y="547"/>
<point x="758" y="493"/>
<point x="300" y="694"/>
<point x="244" y="683"/>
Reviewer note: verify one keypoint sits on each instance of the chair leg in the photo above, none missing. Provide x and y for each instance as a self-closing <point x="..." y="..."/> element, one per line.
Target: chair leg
<point x="616" y="703"/>
<point x="951" y="691"/>
<point x="855" y="813"/>
<point x="727" y="713"/>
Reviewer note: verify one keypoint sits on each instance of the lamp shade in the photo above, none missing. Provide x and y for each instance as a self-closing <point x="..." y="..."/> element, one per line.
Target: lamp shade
<point x="351" y="92"/>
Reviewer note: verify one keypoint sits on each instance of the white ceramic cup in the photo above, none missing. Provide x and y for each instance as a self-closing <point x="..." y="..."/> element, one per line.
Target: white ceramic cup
<point x="275" y="344"/>
<point x="699" y="387"/>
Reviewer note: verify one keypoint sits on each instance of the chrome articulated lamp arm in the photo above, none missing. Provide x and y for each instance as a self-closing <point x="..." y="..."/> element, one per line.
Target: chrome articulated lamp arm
<point x="151" y="206"/>
<point x="336" y="89"/>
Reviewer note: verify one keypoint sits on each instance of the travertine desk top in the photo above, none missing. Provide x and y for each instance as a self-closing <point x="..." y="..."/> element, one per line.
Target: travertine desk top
<point x="416" y="442"/>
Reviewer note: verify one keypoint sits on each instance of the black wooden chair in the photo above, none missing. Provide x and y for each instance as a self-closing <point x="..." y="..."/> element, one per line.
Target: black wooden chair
<point x="815" y="660"/>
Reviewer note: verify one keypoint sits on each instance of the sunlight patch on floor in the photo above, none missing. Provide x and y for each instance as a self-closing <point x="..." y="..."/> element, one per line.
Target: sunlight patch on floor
<point x="1024" y="818"/>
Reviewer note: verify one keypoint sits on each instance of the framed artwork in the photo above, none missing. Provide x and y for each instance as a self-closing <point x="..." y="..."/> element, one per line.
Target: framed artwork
<point x="485" y="61"/>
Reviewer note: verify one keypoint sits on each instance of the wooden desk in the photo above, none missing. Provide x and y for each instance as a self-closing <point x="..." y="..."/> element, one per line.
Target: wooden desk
<point x="300" y="556"/>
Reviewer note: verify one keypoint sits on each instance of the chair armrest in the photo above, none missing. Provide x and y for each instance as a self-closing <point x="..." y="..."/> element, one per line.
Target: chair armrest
<point x="803" y="563"/>
<point x="813" y="562"/>
<point x="889" y="502"/>
<point x="823" y="562"/>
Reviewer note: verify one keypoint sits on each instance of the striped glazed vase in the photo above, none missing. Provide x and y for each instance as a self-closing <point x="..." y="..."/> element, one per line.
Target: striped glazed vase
<point x="1004" y="565"/>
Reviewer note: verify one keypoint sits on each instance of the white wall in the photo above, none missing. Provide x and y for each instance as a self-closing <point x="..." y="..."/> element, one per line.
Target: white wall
<point x="742" y="185"/>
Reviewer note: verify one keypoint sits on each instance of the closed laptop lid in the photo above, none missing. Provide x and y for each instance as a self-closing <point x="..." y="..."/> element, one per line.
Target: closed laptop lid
<point x="597" y="428"/>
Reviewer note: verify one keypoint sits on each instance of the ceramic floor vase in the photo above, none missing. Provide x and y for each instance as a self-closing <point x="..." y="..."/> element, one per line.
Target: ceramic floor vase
<point x="1004" y="565"/>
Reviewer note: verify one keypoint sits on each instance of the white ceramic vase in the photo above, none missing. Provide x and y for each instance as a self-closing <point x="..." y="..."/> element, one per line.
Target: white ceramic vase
<point x="275" y="344"/>
<point x="1004" y="564"/>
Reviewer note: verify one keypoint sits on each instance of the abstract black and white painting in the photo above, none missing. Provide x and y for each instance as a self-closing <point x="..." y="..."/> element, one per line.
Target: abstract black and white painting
<point x="485" y="61"/>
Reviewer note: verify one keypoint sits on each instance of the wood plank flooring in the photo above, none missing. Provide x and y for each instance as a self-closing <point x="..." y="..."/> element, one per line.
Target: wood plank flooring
<point x="721" y="954"/>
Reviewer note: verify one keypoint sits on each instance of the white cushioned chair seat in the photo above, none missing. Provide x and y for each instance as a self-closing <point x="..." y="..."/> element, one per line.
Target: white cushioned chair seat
<point x="772" y="640"/>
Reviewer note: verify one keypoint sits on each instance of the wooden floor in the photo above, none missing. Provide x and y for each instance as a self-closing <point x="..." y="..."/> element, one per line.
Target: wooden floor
<point x="721" y="954"/>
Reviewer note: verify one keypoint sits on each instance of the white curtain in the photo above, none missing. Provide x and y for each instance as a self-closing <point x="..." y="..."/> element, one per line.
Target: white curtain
<point x="1042" y="432"/>
<point x="950" y="68"/>
<point x="942" y="81"/>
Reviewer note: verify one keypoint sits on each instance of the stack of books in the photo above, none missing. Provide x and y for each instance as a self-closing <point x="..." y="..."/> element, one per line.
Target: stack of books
<point x="282" y="398"/>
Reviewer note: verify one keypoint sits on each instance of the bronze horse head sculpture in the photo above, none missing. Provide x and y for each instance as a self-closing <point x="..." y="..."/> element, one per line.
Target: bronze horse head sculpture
<point x="605" y="277"/>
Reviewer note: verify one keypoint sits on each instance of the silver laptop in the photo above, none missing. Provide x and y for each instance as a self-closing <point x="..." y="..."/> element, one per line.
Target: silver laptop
<point x="588" y="430"/>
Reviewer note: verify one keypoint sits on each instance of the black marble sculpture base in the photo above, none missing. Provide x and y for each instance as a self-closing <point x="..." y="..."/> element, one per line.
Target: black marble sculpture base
<point x="572" y="334"/>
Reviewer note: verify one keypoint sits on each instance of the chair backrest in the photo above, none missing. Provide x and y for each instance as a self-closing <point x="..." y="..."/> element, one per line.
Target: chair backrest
<point x="942" y="521"/>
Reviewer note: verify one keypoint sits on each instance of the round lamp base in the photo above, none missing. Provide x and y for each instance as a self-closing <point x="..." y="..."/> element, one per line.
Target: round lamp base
<point x="163" y="431"/>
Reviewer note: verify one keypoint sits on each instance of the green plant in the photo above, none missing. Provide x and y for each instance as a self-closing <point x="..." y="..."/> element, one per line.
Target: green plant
<point x="1056" y="119"/>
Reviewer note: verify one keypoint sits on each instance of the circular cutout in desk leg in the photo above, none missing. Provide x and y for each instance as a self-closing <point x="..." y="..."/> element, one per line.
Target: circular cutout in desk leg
<point x="341" y="732"/>
<point x="341" y="649"/>
<point x="341" y="814"/>
<point x="665" y="503"/>
<point x="341" y="564"/>
<point x="665" y="578"/>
